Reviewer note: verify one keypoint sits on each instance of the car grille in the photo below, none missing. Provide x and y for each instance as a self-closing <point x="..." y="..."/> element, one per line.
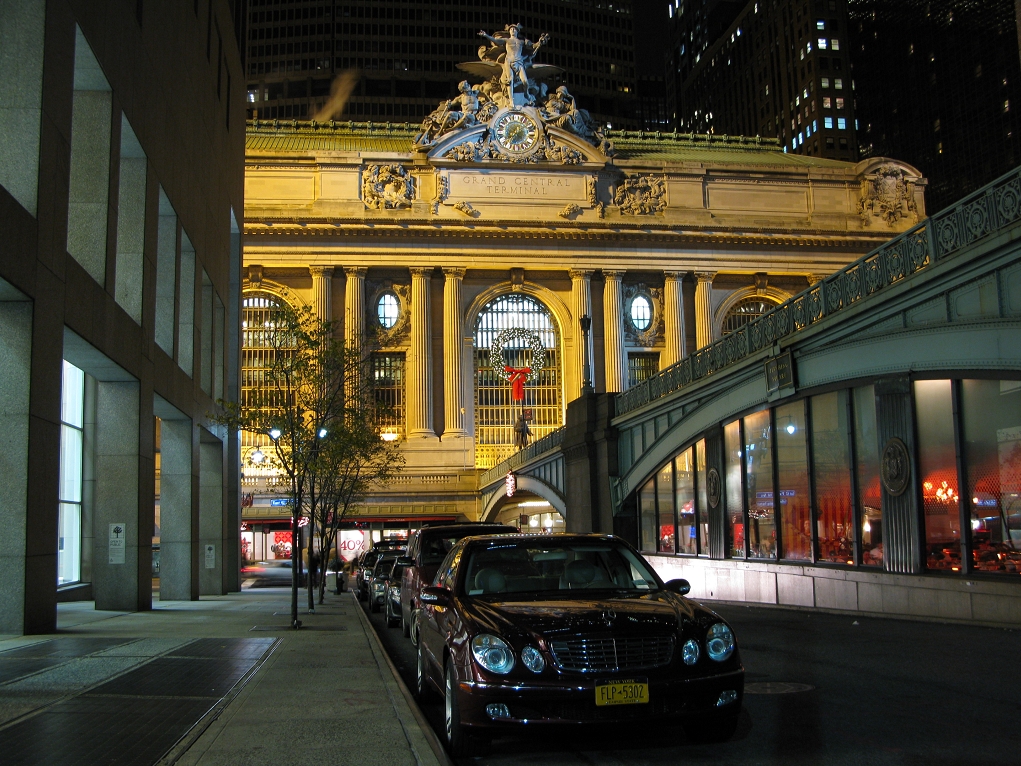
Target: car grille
<point x="610" y="654"/>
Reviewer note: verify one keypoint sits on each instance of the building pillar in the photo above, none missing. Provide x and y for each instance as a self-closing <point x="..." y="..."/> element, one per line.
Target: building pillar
<point x="673" y="317"/>
<point x="178" y="561"/>
<point x="453" y="384"/>
<point x="704" y="308"/>
<point x="420" y="386"/>
<point x="211" y="532"/>
<point x="354" y="306"/>
<point x="613" y="333"/>
<point x="322" y="284"/>
<point x="581" y="300"/>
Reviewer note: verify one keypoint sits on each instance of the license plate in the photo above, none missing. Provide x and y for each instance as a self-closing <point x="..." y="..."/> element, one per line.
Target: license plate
<point x="630" y="691"/>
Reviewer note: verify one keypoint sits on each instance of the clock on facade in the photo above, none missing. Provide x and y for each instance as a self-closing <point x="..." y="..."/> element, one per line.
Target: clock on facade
<point x="516" y="132"/>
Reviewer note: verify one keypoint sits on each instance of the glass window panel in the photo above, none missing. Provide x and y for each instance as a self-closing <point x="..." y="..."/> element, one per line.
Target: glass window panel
<point x="72" y="395"/>
<point x="70" y="464"/>
<point x="641" y="312"/>
<point x="937" y="466"/>
<point x="831" y="458"/>
<point x="758" y="437"/>
<point x="388" y="310"/>
<point x="866" y="442"/>
<point x="647" y="515"/>
<point x="665" y="506"/>
<point x="684" y="493"/>
<point x="792" y="476"/>
<point x="641" y="367"/>
<point x="703" y="505"/>
<point x="991" y="414"/>
<point x="69" y="543"/>
<point x="388" y="389"/>
<point x="732" y="480"/>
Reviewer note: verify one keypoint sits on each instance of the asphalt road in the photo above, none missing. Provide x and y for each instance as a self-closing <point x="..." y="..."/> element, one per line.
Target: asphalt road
<point x="821" y="689"/>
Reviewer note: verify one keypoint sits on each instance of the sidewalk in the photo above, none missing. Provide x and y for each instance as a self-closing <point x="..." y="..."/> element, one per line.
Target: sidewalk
<point x="112" y="686"/>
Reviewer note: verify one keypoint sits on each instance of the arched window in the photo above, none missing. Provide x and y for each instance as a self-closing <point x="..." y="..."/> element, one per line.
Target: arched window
<point x="261" y="346"/>
<point x="495" y="410"/>
<point x="745" y="310"/>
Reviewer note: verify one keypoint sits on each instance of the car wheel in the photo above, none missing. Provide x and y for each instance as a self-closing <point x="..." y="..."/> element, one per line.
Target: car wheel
<point x="460" y="741"/>
<point x="391" y="621"/>
<point x="422" y="689"/>
<point x="414" y="628"/>
<point x="405" y="625"/>
<point x="717" y="728"/>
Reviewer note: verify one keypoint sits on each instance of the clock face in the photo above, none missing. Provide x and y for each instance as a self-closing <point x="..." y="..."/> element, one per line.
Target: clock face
<point x="517" y="132"/>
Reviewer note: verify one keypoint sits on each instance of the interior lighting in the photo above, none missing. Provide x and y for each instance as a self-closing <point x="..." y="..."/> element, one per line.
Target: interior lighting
<point x="534" y="504"/>
<point x="389" y="436"/>
<point x="866" y="527"/>
<point x="533" y="521"/>
<point x="791" y="428"/>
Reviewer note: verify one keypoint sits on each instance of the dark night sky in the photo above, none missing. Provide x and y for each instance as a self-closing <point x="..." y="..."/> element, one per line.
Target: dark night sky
<point x="650" y="20"/>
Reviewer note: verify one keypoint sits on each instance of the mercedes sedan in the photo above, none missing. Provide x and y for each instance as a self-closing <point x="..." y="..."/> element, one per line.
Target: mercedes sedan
<point x="520" y="631"/>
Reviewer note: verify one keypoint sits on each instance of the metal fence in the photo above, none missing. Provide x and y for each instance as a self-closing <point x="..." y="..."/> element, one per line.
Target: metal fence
<point x="549" y="442"/>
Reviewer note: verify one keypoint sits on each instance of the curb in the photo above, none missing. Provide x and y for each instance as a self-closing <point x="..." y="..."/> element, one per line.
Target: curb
<point x="427" y="731"/>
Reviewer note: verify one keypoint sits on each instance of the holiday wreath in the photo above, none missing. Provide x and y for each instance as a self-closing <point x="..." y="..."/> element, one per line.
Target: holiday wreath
<point x="499" y="363"/>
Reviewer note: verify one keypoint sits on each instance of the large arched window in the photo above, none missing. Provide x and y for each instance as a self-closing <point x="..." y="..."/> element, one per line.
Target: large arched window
<point x="495" y="410"/>
<point x="261" y="346"/>
<point x="744" y="311"/>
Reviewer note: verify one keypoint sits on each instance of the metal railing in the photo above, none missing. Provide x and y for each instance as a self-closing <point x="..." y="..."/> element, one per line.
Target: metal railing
<point x="935" y="239"/>
<point x="547" y="443"/>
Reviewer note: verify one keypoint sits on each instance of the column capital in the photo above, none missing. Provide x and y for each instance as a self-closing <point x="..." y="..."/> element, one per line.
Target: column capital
<point x="321" y="271"/>
<point x="580" y="273"/>
<point x="454" y="272"/>
<point x="356" y="271"/>
<point x="814" y="278"/>
<point x="614" y="273"/>
<point x="422" y="271"/>
<point x="674" y="275"/>
<point x="705" y="276"/>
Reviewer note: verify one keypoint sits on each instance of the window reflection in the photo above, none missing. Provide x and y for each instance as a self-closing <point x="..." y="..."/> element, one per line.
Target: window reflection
<point x="866" y="441"/>
<point x="937" y="466"/>
<point x="792" y="473"/>
<point x="831" y="457"/>
<point x="684" y="492"/>
<point x="665" y="508"/>
<point x="758" y="457"/>
<point x="991" y="439"/>
<point x="647" y="515"/>
<point x="732" y="480"/>
<point x="703" y="505"/>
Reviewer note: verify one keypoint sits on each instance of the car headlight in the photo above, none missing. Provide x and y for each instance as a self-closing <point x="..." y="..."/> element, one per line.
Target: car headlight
<point x="690" y="652"/>
<point x="493" y="653"/>
<point x="719" y="642"/>
<point x="532" y="658"/>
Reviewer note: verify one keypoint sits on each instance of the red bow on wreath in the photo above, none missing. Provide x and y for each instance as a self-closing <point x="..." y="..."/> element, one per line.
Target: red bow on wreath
<point x="517" y="377"/>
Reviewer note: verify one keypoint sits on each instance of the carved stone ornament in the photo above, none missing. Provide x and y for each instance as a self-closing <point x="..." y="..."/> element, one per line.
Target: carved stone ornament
<point x="569" y="210"/>
<point x="650" y="334"/>
<point x="466" y="209"/>
<point x="713" y="487"/>
<point x="542" y="148"/>
<point x="641" y="195"/>
<point x="889" y="194"/>
<point x="387" y="187"/>
<point x="385" y="337"/>
<point x="895" y="467"/>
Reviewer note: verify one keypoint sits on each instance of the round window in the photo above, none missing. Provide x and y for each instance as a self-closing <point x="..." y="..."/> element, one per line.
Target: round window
<point x="641" y="312"/>
<point x="388" y="309"/>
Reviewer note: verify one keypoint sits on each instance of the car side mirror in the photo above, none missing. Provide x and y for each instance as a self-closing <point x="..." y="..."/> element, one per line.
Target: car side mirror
<point x="436" y="595"/>
<point x="680" y="587"/>
<point x="404" y="561"/>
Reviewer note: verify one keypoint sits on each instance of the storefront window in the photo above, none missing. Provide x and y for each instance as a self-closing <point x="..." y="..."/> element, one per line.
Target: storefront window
<point x="69" y="515"/>
<point x="792" y="475"/>
<point x="647" y="516"/>
<point x="937" y="467"/>
<point x="735" y="500"/>
<point x="758" y="438"/>
<point x="866" y="440"/>
<point x="665" y="509"/>
<point x="831" y="459"/>
<point x="991" y="416"/>
<point x="703" y="505"/>
<point x="684" y="492"/>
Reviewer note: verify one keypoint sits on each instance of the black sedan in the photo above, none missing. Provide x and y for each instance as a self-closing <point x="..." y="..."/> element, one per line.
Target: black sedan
<point x="378" y="580"/>
<point x="520" y="631"/>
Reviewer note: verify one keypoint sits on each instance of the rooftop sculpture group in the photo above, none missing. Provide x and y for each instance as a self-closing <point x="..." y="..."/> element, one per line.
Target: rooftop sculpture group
<point x="511" y="80"/>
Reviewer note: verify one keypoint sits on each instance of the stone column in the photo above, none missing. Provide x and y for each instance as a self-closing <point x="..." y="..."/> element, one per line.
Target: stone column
<point x="704" y="308"/>
<point x="581" y="300"/>
<point x="613" y="333"/>
<point x="322" y="282"/>
<point x="453" y="384"/>
<point x="178" y="514"/>
<point x="211" y="537"/>
<point x="354" y="306"/>
<point x="673" y="318"/>
<point x="420" y="387"/>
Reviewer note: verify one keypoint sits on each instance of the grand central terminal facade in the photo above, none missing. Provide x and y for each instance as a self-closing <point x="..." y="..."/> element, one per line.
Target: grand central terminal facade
<point x="493" y="233"/>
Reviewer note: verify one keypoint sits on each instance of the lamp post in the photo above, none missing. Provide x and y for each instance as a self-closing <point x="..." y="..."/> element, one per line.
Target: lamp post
<point x="586" y="380"/>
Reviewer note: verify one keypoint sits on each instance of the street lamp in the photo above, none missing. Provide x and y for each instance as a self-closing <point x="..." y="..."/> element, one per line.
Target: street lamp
<point x="274" y="433"/>
<point x="322" y="433"/>
<point x="257" y="456"/>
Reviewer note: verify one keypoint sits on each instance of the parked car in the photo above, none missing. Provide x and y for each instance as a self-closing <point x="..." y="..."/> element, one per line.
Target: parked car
<point x="393" y="593"/>
<point x="426" y="549"/>
<point x="380" y="579"/>
<point x="525" y="631"/>
<point x="268" y="574"/>
<point x="366" y="562"/>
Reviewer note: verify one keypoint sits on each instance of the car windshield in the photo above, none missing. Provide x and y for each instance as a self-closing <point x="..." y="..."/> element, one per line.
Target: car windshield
<point x="434" y="549"/>
<point x="524" y="567"/>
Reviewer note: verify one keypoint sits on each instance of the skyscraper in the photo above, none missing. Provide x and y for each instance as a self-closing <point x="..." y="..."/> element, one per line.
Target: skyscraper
<point x="774" y="68"/>
<point x="406" y="53"/>
<point x="939" y="86"/>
